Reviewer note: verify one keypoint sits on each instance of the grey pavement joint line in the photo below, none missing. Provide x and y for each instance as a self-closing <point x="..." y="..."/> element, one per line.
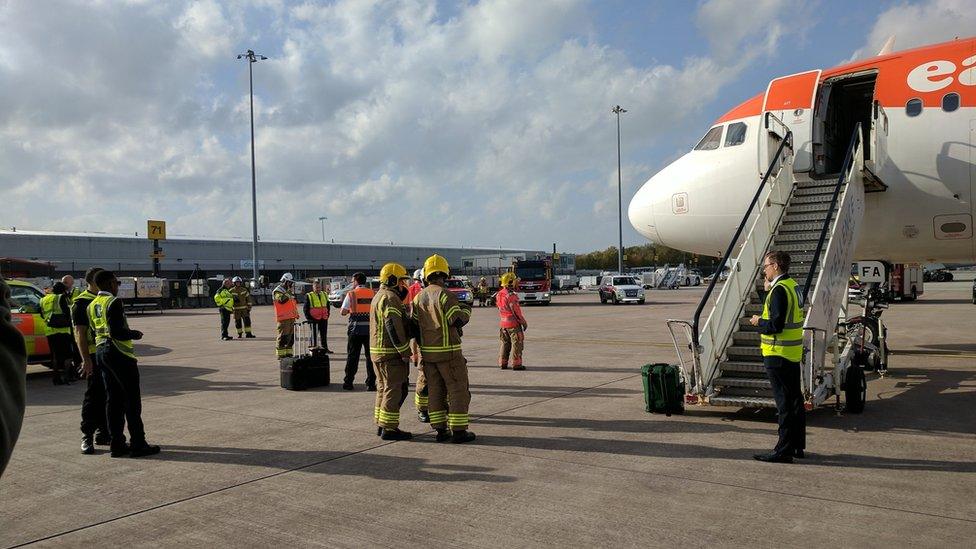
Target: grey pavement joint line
<point x="284" y="472"/>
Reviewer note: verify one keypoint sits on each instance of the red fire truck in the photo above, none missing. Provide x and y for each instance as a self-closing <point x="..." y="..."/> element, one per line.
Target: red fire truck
<point x="534" y="280"/>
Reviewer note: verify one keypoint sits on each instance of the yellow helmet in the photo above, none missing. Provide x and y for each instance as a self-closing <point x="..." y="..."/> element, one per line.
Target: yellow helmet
<point x="507" y="279"/>
<point x="394" y="270"/>
<point x="436" y="264"/>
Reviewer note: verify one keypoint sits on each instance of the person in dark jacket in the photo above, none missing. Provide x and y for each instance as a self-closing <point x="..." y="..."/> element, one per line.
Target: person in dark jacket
<point x="94" y="425"/>
<point x="781" y="336"/>
<point x="56" y="312"/>
<point x="13" y="379"/>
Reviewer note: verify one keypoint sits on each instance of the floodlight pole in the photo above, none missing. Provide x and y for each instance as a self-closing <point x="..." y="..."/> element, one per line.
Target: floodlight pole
<point x="620" y="209"/>
<point x="253" y="58"/>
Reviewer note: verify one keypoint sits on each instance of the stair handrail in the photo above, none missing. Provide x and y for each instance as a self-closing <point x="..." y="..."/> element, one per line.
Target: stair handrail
<point x="696" y="324"/>
<point x="845" y="172"/>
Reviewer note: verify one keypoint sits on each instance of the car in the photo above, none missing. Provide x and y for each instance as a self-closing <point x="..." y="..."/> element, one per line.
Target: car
<point x="460" y="289"/>
<point x="336" y="297"/>
<point x="25" y="300"/>
<point x="621" y="289"/>
<point x="692" y="278"/>
<point x="936" y="274"/>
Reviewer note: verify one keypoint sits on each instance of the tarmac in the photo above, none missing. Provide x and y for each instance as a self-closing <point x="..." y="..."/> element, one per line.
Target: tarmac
<point x="565" y="454"/>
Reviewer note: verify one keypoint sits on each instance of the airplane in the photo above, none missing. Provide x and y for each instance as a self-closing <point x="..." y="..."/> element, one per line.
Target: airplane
<point x="919" y="107"/>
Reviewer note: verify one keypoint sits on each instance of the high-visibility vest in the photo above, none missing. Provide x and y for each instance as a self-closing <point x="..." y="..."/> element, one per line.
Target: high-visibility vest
<point x="359" y="300"/>
<point x="789" y="343"/>
<point x="50" y="306"/>
<point x="287" y="310"/>
<point x="508" y="309"/>
<point x="318" y="305"/>
<point x="98" y="317"/>
<point x="224" y="299"/>
<point x="89" y="333"/>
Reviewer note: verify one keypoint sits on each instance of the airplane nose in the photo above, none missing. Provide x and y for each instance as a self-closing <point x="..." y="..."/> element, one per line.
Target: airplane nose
<point x="640" y="212"/>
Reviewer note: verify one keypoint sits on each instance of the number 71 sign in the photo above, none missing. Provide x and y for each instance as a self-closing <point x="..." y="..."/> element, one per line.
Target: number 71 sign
<point x="156" y="230"/>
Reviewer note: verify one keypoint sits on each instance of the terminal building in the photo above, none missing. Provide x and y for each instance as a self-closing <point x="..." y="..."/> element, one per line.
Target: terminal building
<point x="186" y="258"/>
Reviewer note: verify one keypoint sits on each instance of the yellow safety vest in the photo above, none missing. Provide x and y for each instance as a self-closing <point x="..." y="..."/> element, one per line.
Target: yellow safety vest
<point x="50" y="306"/>
<point x="224" y="299"/>
<point x="98" y="317"/>
<point x="318" y="305"/>
<point x="89" y="333"/>
<point x="789" y="343"/>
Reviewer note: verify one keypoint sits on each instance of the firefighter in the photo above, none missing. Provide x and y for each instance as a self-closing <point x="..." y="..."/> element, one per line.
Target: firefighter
<point x="225" y="304"/>
<point x="389" y="348"/>
<point x="286" y="311"/>
<point x="420" y="394"/>
<point x="512" y="324"/>
<point x="440" y="317"/>
<point x="781" y="343"/>
<point x="94" y="428"/>
<point x="316" y="311"/>
<point x="242" y="308"/>
<point x="116" y="358"/>
<point x="55" y="308"/>
<point x="482" y="292"/>
<point x="356" y="307"/>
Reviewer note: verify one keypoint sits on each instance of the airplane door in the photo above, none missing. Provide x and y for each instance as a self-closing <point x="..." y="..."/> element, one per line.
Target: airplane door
<point x="791" y="99"/>
<point x="879" y="141"/>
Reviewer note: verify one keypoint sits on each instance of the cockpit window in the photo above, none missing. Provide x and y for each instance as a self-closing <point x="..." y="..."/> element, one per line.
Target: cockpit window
<point x="711" y="141"/>
<point x="736" y="134"/>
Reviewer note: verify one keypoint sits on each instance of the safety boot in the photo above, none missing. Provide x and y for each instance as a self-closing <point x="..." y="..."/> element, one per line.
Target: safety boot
<point x="249" y="336"/>
<point x="396" y="434"/>
<point x="142" y="450"/>
<point x="102" y="438"/>
<point x="423" y="416"/>
<point x="87" y="445"/>
<point x="379" y="431"/>
<point x="462" y="436"/>
<point x="443" y="435"/>
<point x="519" y="367"/>
<point x="120" y="450"/>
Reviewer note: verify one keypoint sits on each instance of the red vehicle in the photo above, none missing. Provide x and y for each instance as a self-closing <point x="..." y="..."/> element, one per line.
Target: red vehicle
<point x="534" y="280"/>
<point x="459" y="287"/>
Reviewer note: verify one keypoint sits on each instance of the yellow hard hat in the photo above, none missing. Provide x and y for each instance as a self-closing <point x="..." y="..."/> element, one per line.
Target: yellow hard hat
<point x="436" y="264"/>
<point x="507" y="279"/>
<point x="392" y="270"/>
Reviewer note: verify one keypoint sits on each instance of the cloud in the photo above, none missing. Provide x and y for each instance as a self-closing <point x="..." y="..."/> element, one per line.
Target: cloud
<point x="488" y="125"/>
<point x="920" y="24"/>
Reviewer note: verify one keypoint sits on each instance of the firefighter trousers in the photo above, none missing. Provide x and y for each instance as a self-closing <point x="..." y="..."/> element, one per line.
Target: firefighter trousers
<point x="392" y="385"/>
<point x="286" y="338"/>
<point x="447" y="383"/>
<point x="513" y="340"/>
<point x="421" y="397"/>
<point x="242" y="321"/>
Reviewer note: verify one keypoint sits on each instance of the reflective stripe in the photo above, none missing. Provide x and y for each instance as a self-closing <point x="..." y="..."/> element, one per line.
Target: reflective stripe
<point x="50" y="305"/>
<point x="789" y="343"/>
<point x="438" y="417"/>
<point x="421" y="400"/>
<point x="98" y="318"/>
<point x="781" y="342"/>
<point x="318" y="305"/>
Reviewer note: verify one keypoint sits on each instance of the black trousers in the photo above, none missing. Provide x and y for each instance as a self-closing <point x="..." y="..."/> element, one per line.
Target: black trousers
<point x="123" y="401"/>
<point x="61" y="356"/>
<point x="784" y="376"/>
<point x="355" y="345"/>
<point x="93" y="416"/>
<point x="320" y="327"/>
<point x="224" y="321"/>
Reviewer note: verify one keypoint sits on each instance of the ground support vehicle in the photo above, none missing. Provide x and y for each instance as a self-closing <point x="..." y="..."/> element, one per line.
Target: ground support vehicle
<point x="25" y="314"/>
<point x="621" y="289"/>
<point x="534" y="280"/>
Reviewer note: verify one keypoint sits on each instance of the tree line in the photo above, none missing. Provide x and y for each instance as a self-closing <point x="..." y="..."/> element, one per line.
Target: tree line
<point x="643" y="256"/>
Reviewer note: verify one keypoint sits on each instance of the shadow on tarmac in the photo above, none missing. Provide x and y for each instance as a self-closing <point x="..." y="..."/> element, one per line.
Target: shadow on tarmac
<point x="551" y="391"/>
<point x="618" y="426"/>
<point x="376" y="466"/>
<point x="144" y="349"/>
<point x="670" y="450"/>
<point x="156" y="380"/>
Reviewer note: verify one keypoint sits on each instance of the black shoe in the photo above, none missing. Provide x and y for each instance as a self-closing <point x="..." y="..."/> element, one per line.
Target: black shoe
<point x="460" y="437"/>
<point x="371" y="388"/>
<point x="102" y="438"/>
<point x="329" y="352"/>
<point x="379" y="431"/>
<point x="249" y="336"/>
<point x="504" y="366"/>
<point x="240" y="336"/>
<point x="87" y="445"/>
<point x="226" y="338"/>
<point x="799" y="454"/>
<point x="143" y="450"/>
<point x="773" y="458"/>
<point x="443" y="435"/>
<point x="348" y="387"/>
<point x="423" y="416"/>
<point x="396" y="434"/>
<point x="519" y="367"/>
<point x="120" y="451"/>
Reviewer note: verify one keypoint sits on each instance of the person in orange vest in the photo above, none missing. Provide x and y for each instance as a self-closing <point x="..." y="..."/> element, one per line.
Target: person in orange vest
<point x="286" y="312"/>
<point x="356" y="307"/>
<point x="421" y="395"/>
<point x="317" y="314"/>
<point x="512" y="324"/>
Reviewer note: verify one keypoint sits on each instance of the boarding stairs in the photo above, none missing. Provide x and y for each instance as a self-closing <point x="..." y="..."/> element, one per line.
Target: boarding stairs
<point x="672" y="277"/>
<point x="817" y="222"/>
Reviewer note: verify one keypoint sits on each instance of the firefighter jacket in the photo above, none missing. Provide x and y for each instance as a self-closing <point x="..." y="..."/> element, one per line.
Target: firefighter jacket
<point x="285" y="304"/>
<point x="440" y="317"/>
<point x="509" y="311"/>
<point x="387" y="333"/>
<point x="224" y="299"/>
<point x="242" y="298"/>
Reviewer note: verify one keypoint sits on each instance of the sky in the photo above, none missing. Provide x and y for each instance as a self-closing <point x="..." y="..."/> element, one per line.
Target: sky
<point x="475" y="123"/>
